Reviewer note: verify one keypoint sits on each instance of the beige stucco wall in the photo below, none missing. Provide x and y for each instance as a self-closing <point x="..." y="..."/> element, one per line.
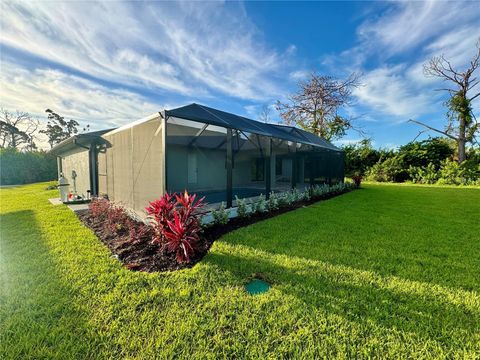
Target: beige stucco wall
<point x="79" y="162"/>
<point x="133" y="164"/>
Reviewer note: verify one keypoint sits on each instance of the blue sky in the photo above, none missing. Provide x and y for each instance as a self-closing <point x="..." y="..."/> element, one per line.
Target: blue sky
<point x="107" y="64"/>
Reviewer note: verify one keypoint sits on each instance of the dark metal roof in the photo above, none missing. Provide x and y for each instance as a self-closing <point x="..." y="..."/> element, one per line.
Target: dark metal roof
<point x="78" y="142"/>
<point x="212" y="116"/>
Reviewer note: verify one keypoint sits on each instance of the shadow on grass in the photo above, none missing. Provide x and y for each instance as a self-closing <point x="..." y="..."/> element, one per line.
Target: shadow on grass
<point x="38" y="314"/>
<point x="429" y="311"/>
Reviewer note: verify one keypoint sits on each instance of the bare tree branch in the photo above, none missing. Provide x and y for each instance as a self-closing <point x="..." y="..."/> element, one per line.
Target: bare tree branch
<point x="315" y="105"/>
<point x="432" y="128"/>
<point x="460" y="126"/>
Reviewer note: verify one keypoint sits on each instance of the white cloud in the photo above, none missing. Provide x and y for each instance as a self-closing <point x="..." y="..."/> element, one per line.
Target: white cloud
<point x="74" y="97"/>
<point x="408" y="24"/>
<point x="387" y="91"/>
<point x="188" y="48"/>
<point x="401" y="39"/>
<point x="298" y="75"/>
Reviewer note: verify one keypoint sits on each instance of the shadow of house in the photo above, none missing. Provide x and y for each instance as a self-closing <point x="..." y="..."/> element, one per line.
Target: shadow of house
<point x="36" y="305"/>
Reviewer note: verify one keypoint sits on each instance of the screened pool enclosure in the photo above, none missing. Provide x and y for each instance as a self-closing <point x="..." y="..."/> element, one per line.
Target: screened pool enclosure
<point x="221" y="155"/>
<point x="206" y="151"/>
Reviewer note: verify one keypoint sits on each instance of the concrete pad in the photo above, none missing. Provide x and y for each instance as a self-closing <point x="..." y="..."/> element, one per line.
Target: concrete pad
<point x="73" y="207"/>
<point x="55" y="201"/>
<point x="78" y="207"/>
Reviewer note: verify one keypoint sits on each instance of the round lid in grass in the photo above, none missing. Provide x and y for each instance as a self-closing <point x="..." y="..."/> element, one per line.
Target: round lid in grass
<point x="257" y="286"/>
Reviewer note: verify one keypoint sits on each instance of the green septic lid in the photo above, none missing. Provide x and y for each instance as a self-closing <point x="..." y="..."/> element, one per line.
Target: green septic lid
<point x="257" y="286"/>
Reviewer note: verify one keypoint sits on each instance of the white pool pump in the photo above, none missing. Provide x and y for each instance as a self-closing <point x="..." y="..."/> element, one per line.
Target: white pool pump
<point x="63" y="186"/>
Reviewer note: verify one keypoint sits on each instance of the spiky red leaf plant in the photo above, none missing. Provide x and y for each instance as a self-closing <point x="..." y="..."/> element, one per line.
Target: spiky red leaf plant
<point x="177" y="223"/>
<point x="160" y="211"/>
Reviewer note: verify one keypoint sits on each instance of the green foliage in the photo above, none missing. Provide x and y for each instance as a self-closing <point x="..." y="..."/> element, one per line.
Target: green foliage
<point x="385" y="272"/>
<point x="459" y="106"/>
<point x="427" y="162"/>
<point x="242" y="207"/>
<point x="260" y="206"/>
<point x="423" y="175"/>
<point x="422" y="153"/>
<point x="59" y="129"/>
<point x="466" y="173"/>
<point x="26" y="167"/>
<point x="392" y="169"/>
<point x="360" y="157"/>
<point x="272" y="202"/>
<point x="220" y="215"/>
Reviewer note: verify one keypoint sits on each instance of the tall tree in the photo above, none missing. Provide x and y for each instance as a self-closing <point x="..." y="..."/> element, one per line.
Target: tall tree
<point x="461" y="123"/>
<point x="315" y="106"/>
<point x="17" y="130"/>
<point x="59" y="129"/>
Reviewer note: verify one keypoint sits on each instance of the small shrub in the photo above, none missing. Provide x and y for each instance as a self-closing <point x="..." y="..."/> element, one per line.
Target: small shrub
<point x="296" y="195"/>
<point x="306" y="195"/>
<point x="99" y="208"/>
<point x="138" y="232"/>
<point x="282" y="200"/>
<point x="220" y="215"/>
<point x="242" y="207"/>
<point x="117" y="219"/>
<point x="260" y="206"/>
<point x="272" y="202"/>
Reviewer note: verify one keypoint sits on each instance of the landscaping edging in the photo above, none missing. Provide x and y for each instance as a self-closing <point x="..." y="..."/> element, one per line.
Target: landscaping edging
<point x="143" y="255"/>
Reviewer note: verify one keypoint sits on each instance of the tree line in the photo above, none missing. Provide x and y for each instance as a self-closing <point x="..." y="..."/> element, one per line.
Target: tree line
<point x="430" y="161"/>
<point x="21" y="160"/>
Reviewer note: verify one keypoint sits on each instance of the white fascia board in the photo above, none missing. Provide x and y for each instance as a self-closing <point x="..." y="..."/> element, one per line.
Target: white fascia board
<point x="135" y="123"/>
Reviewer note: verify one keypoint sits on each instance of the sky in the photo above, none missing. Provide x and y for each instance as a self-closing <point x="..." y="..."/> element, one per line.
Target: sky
<point x="107" y="64"/>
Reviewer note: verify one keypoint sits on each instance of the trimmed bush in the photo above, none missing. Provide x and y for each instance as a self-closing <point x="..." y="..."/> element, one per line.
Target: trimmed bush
<point x="242" y="207"/>
<point x="220" y="215"/>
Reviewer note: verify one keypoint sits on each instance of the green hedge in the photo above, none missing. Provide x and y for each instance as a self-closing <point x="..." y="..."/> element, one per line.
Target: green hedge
<point x="18" y="167"/>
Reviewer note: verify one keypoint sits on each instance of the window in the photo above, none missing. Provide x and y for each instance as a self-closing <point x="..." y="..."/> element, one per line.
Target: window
<point x="258" y="169"/>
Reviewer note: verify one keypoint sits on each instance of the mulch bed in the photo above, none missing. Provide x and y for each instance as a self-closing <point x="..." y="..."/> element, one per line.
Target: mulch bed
<point x="143" y="255"/>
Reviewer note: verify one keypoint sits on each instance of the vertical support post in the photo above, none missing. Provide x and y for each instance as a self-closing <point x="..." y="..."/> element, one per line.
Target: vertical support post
<point x="59" y="165"/>
<point x="294" y="166"/>
<point x="93" y="160"/>
<point x="268" y="168"/>
<point x="229" y="168"/>
<point x="312" y="169"/>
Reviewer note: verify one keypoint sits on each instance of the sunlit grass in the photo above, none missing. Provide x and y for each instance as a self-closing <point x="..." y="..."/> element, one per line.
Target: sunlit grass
<point x="386" y="271"/>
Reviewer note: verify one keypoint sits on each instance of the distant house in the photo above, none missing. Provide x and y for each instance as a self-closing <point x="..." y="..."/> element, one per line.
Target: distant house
<point x="216" y="154"/>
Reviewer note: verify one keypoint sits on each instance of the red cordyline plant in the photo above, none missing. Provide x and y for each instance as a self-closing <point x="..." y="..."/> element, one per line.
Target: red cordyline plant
<point x="177" y="224"/>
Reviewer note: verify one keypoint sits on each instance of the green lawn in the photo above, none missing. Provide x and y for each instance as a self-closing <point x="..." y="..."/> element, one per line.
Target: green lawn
<point x="386" y="271"/>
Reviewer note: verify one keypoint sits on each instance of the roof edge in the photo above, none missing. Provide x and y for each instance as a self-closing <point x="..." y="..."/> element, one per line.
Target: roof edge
<point x="135" y="123"/>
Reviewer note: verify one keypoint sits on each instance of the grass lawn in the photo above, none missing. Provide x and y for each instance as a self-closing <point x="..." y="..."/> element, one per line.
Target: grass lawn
<point x="386" y="271"/>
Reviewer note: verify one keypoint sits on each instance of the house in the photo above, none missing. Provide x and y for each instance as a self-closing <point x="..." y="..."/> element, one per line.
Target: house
<point x="216" y="154"/>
